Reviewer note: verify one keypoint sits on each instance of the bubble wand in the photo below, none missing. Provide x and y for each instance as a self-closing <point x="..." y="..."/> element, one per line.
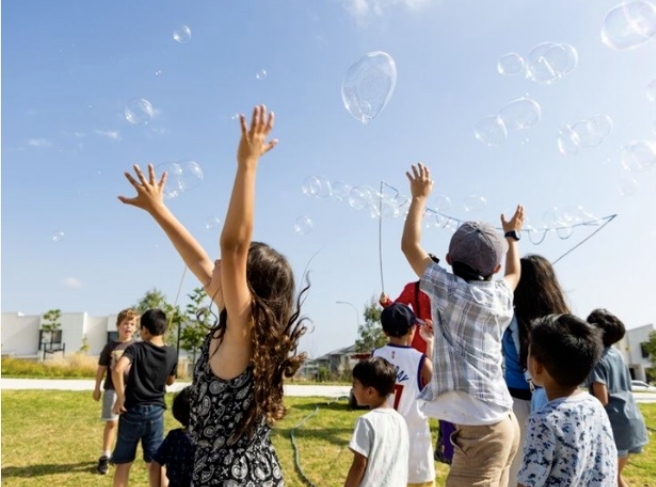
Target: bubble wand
<point x="380" y="235"/>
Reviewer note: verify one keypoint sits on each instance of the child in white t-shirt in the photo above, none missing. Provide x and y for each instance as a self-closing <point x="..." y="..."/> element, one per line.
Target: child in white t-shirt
<point x="380" y="441"/>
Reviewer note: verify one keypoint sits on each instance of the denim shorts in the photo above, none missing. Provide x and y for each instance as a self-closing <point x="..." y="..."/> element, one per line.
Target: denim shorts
<point x="625" y="453"/>
<point x="142" y="422"/>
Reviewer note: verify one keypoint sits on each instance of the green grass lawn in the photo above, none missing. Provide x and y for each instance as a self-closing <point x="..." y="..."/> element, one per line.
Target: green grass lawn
<point x="53" y="438"/>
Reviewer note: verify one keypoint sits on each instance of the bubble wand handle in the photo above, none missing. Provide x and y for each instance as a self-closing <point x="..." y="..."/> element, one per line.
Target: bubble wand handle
<point x="380" y="235"/>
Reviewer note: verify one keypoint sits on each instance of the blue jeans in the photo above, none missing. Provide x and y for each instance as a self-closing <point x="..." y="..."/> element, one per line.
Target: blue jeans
<point x="141" y="422"/>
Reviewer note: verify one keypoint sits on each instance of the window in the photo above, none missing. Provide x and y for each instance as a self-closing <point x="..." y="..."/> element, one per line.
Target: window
<point x="112" y="335"/>
<point x="643" y="350"/>
<point x="50" y="339"/>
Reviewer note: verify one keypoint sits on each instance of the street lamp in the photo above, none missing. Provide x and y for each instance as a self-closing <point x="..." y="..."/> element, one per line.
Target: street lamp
<point x="357" y="314"/>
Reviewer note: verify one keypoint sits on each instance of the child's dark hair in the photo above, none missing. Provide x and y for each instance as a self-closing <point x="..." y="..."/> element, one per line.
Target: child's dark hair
<point x="276" y="329"/>
<point x="182" y="405"/>
<point x="154" y="320"/>
<point x="612" y="327"/>
<point x="538" y="294"/>
<point x="376" y="372"/>
<point x="567" y="347"/>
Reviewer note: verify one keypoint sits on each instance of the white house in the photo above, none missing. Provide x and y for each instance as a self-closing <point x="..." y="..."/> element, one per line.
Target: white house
<point x="635" y="355"/>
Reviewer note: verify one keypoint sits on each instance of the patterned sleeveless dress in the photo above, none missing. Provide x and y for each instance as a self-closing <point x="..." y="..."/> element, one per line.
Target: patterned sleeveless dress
<point x="222" y="458"/>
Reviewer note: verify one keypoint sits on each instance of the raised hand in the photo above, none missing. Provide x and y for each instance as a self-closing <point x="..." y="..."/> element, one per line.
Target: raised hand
<point x="421" y="183"/>
<point x="253" y="143"/>
<point x="150" y="193"/>
<point x="516" y="222"/>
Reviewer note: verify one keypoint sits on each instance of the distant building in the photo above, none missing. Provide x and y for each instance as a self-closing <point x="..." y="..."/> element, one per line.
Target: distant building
<point x="335" y="363"/>
<point x="635" y="355"/>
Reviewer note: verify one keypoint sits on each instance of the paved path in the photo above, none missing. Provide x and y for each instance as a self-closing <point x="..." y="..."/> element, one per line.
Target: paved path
<point x="291" y="390"/>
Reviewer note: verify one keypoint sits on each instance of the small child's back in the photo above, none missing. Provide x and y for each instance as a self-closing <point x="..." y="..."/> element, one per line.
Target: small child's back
<point x="569" y="442"/>
<point x="151" y="365"/>
<point x="381" y="436"/>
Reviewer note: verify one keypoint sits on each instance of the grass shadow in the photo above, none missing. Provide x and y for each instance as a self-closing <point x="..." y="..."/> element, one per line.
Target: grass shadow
<point x="47" y="469"/>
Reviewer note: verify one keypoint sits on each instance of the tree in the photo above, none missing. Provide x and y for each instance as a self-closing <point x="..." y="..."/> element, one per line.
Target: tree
<point x="650" y="347"/>
<point x="152" y="299"/>
<point x="370" y="333"/>
<point x="197" y="323"/>
<point x="52" y="318"/>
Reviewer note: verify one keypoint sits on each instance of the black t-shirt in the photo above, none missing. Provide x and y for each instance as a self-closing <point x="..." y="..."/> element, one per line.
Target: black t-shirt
<point x="150" y="366"/>
<point x="177" y="454"/>
<point x="108" y="358"/>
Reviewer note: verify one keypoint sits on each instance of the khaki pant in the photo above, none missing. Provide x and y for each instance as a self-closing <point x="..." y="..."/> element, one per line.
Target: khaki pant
<point x="483" y="454"/>
<point x="423" y="484"/>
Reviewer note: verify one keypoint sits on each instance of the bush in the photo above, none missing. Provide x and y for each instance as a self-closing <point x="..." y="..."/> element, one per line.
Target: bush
<point x="75" y="366"/>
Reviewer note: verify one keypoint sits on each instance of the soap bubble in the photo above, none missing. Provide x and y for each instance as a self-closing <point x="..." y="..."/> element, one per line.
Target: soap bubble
<point x="385" y="206"/>
<point x="138" y="111"/>
<point x="369" y="85"/>
<point x="627" y="186"/>
<point x="510" y="64"/>
<point x="441" y="203"/>
<point x="311" y="186"/>
<point x="212" y="222"/>
<point x="473" y="203"/>
<point x="584" y="137"/>
<point x="520" y="114"/>
<point x="181" y="176"/>
<point x="340" y="190"/>
<point x="303" y="225"/>
<point x="568" y="142"/>
<point x="564" y="232"/>
<point x="182" y="34"/>
<point x="629" y="25"/>
<point x="639" y="156"/>
<point x="491" y="131"/>
<point x="600" y="125"/>
<point x="651" y="91"/>
<point x="548" y="62"/>
<point x="359" y="198"/>
<point x="261" y="74"/>
<point x="58" y="236"/>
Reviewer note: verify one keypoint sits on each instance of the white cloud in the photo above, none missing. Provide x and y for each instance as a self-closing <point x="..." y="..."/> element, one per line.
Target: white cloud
<point x="72" y="283"/>
<point x="110" y="134"/>
<point x="365" y="9"/>
<point x="39" y="142"/>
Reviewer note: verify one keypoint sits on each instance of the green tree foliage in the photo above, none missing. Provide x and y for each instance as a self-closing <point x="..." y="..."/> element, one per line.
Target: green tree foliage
<point x="152" y="299"/>
<point x="197" y="323"/>
<point x="650" y="347"/>
<point x="51" y="318"/>
<point x="370" y="333"/>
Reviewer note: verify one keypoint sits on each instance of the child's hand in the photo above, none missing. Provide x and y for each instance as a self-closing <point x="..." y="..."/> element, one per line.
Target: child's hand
<point x="119" y="406"/>
<point x="150" y="194"/>
<point x="426" y="331"/>
<point x="516" y="222"/>
<point x="421" y="183"/>
<point x="253" y="141"/>
<point x="96" y="394"/>
<point x="383" y="299"/>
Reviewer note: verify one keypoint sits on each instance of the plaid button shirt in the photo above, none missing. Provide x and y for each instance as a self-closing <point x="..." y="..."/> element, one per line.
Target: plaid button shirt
<point x="469" y="319"/>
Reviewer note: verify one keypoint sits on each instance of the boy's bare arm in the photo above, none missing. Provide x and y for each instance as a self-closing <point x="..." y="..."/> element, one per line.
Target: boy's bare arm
<point x="426" y="332"/>
<point x="513" y="266"/>
<point x="100" y="373"/>
<point x="357" y="470"/>
<point x="421" y="186"/>
<point x="170" y="380"/>
<point x="119" y="384"/>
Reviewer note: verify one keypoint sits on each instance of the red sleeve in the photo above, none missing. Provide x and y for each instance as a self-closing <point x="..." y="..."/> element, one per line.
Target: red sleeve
<point x="407" y="296"/>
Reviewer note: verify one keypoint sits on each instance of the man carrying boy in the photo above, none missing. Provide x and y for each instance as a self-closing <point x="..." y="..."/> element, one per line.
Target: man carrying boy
<point x="126" y="323"/>
<point x="380" y="440"/>
<point x="470" y="313"/>
<point x="413" y="372"/>
<point x="140" y="402"/>
<point x="569" y="441"/>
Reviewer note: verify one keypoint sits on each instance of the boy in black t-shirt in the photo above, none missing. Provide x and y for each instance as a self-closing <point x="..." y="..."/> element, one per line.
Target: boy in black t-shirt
<point x="140" y="402"/>
<point x="176" y="453"/>
<point x="126" y="324"/>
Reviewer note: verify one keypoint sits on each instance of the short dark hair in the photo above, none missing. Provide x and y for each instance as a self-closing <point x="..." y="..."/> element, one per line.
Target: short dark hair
<point x="612" y="327"/>
<point x="154" y="320"/>
<point x="376" y="372"/>
<point x="182" y="406"/>
<point x="566" y="346"/>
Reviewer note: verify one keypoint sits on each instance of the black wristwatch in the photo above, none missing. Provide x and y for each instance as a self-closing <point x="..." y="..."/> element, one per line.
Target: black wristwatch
<point x="512" y="234"/>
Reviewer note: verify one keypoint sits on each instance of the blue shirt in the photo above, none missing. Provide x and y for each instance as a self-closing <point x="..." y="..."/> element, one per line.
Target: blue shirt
<point x="514" y="373"/>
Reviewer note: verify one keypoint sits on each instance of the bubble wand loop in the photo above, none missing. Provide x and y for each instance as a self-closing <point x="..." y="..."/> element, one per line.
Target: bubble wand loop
<point x="175" y="303"/>
<point x="380" y="235"/>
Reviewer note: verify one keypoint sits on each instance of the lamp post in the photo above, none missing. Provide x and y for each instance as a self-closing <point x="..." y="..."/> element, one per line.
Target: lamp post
<point x="357" y="313"/>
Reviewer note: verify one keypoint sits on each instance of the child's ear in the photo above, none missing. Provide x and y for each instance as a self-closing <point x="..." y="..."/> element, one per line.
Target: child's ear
<point x="497" y="268"/>
<point x="448" y="259"/>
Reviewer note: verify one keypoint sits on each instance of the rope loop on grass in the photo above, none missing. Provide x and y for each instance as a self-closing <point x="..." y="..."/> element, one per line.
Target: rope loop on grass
<point x="297" y="455"/>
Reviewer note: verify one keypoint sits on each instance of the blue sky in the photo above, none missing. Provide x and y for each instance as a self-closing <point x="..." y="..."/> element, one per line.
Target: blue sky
<point x="70" y="67"/>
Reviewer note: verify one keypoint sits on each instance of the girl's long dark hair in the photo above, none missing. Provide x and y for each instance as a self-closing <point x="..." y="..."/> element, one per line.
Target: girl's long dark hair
<point x="276" y="328"/>
<point x="538" y="294"/>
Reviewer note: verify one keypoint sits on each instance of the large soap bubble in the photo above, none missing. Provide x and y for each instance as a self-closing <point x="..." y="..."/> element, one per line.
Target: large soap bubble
<point x="369" y="85"/>
<point x="138" y="111"/>
<point x="510" y="64"/>
<point x="182" y="34"/>
<point x="520" y="114"/>
<point x="639" y="156"/>
<point x="303" y="225"/>
<point x="491" y="131"/>
<point x="629" y="25"/>
<point x="181" y="176"/>
<point x="549" y="62"/>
